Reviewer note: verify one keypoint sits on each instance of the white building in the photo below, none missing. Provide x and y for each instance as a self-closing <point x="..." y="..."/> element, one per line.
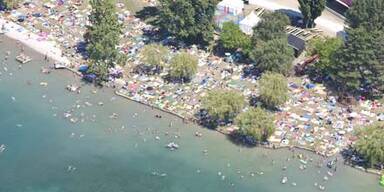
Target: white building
<point x="234" y="7"/>
<point x="250" y="21"/>
<point x="247" y="24"/>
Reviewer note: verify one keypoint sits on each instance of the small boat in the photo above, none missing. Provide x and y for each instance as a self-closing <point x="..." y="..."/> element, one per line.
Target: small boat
<point x="67" y="115"/>
<point x="45" y="70"/>
<point x="44" y="84"/>
<point x="198" y="134"/>
<point x="330" y="164"/>
<point x="22" y="58"/>
<point x="303" y="161"/>
<point x="73" y="88"/>
<point x="2" y="148"/>
<point x="284" y="180"/>
<point x="172" y="146"/>
<point x="59" y="66"/>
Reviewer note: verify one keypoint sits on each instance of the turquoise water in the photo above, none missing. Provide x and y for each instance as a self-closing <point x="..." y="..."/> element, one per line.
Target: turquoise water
<point x="45" y="152"/>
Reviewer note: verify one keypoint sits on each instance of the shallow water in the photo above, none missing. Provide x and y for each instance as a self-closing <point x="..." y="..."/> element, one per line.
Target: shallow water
<point x="45" y="152"/>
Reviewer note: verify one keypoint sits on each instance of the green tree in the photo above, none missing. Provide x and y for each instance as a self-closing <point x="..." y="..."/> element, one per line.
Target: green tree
<point x="311" y="9"/>
<point x="188" y="20"/>
<point x="273" y="89"/>
<point x="103" y="36"/>
<point x="154" y="55"/>
<point x="325" y="48"/>
<point x="232" y="37"/>
<point x="359" y="64"/>
<point x="183" y="66"/>
<point x="366" y="13"/>
<point x="273" y="55"/>
<point x="223" y="105"/>
<point x="256" y="123"/>
<point x="272" y="26"/>
<point x="370" y="143"/>
<point x="9" y="4"/>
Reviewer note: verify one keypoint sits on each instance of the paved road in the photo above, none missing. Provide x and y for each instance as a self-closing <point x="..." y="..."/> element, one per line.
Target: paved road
<point x="328" y="22"/>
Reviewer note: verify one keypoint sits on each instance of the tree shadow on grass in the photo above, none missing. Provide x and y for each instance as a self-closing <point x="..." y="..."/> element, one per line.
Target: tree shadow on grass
<point x="251" y="70"/>
<point x="148" y="14"/>
<point x="168" y="78"/>
<point x="205" y="120"/>
<point x="255" y="101"/>
<point x="242" y="140"/>
<point x="143" y="69"/>
<point x="353" y="158"/>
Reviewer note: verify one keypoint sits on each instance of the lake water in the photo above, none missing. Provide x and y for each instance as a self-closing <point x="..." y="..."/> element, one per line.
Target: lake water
<point x="45" y="152"/>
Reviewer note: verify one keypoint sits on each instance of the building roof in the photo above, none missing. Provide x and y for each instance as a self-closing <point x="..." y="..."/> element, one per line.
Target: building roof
<point x="251" y="20"/>
<point x="237" y="4"/>
<point x="296" y="42"/>
<point x="347" y="3"/>
<point x="297" y="37"/>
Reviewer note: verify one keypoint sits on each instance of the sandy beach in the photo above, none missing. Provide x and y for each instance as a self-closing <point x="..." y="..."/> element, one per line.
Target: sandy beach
<point x="45" y="47"/>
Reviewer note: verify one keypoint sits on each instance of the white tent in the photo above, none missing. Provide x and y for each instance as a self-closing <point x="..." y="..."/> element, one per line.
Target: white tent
<point x="234" y="7"/>
<point x="247" y="24"/>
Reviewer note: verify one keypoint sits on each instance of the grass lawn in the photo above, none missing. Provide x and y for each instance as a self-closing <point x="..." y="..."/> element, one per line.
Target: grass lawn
<point x="133" y="5"/>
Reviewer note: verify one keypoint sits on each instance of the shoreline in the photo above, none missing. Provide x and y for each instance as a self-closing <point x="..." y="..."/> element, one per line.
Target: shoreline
<point x="269" y="147"/>
<point x="50" y="49"/>
<point x="43" y="46"/>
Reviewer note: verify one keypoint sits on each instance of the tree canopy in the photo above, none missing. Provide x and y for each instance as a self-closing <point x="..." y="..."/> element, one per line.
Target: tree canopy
<point x="154" y="55"/>
<point x="311" y="9"/>
<point x="273" y="55"/>
<point x="188" y="20"/>
<point x="366" y="13"/>
<point x="273" y="89"/>
<point x="183" y="66"/>
<point x="272" y="26"/>
<point x="370" y="143"/>
<point x="325" y="48"/>
<point x="358" y="67"/>
<point x="256" y="123"/>
<point x="223" y="105"/>
<point x="232" y="38"/>
<point x="103" y="37"/>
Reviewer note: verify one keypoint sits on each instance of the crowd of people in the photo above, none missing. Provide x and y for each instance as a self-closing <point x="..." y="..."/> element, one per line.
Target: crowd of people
<point x="311" y="118"/>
